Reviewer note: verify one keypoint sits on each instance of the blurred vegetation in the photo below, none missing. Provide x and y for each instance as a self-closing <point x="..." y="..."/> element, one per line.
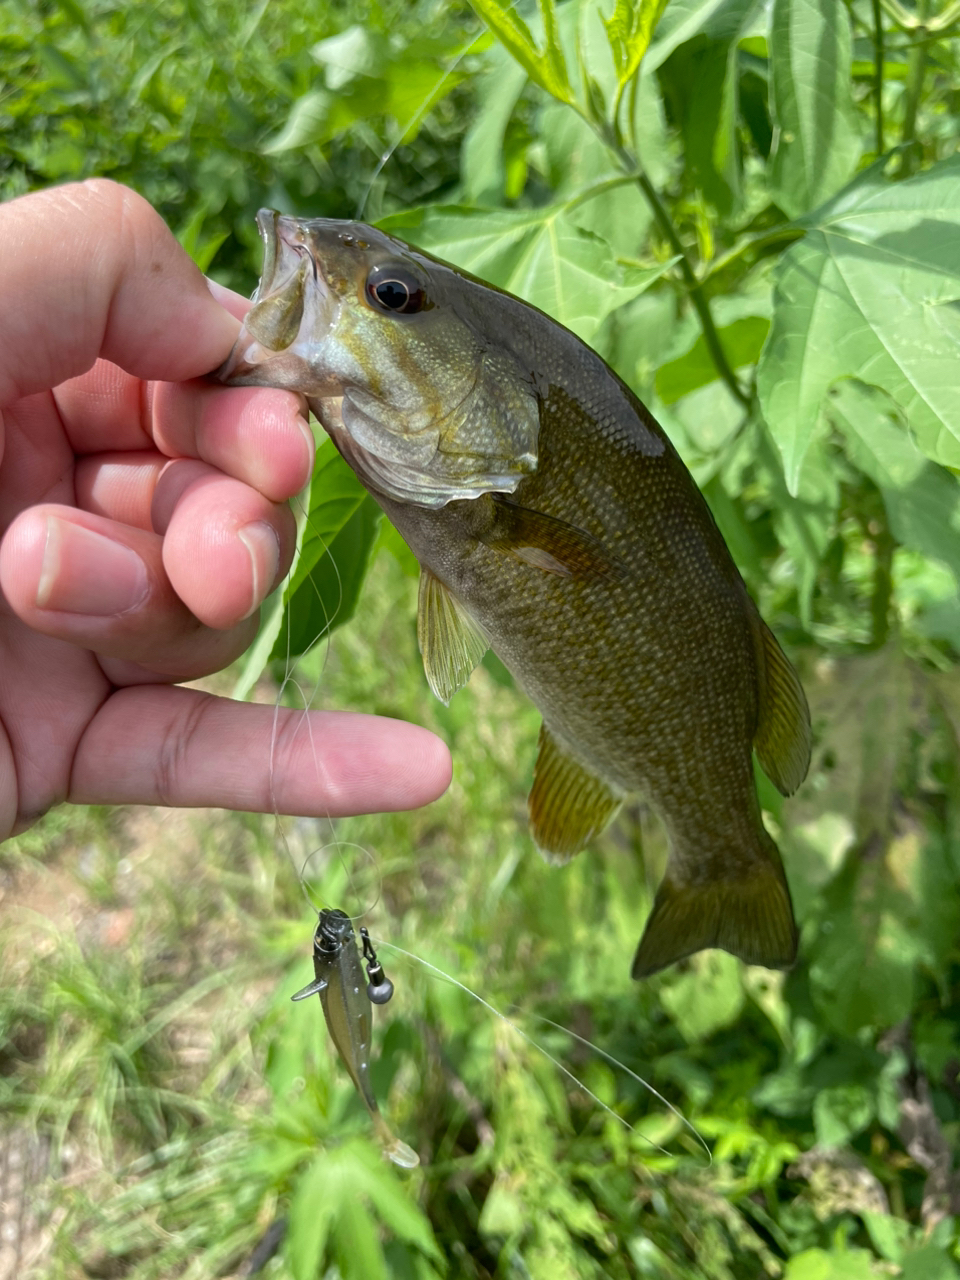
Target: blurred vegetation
<point x="751" y="210"/>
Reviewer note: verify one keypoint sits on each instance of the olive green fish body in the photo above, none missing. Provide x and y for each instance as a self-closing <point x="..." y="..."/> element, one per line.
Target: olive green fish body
<point x="555" y="522"/>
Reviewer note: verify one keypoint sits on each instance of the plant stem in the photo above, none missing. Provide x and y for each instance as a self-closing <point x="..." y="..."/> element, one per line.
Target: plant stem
<point x="885" y="545"/>
<point x="878" y="55"/>
<point x="915" y="73"/>
<point x="697" y="296"/>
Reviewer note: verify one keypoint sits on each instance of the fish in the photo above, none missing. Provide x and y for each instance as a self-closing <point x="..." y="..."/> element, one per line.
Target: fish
<point x="346" y="995"/>
<point x="556" y="524"/>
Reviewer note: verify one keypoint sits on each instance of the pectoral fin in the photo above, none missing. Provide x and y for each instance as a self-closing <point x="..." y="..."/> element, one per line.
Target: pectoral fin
<point x="751" y="917"/>
<point x="311" y="989"/>
<point x="568" y="805"/>
<point x="782" y="740"/>
<point x="450" y="642"/>
<point x="549" y="544"/>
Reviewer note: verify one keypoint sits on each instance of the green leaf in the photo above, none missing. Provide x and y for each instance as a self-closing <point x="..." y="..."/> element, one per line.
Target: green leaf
<point x="202" y="249"/>
<point x="817" y="134"/>
<point x="922" y="499"/>
<point x="306" y="124"/>
<point x="481" y="156"/>
<point x="841" y="1112"/>
<point x="395" y="1205"/>
<point x="358" y="1249"/>
<point x="338" y="539"/>
<point x="838" y="1264"/>
<point x="708" y="996"/>
<point x="929" y="1262"/>
<point x="630" y="29"/>
<point x="872" y="292"/>
<point x="548" y="69"/>
<point x="538" y="254"/>
<point x="742" y="341"/>
<point x="316" y="1203"/>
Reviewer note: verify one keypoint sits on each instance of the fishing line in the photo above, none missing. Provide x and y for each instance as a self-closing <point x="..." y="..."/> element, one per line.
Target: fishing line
<point x="418" y="115"/>
<point x="535" y="1044"/>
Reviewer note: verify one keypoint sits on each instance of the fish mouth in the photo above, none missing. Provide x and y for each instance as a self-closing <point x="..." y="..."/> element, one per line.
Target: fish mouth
<point x="292" y="312"/>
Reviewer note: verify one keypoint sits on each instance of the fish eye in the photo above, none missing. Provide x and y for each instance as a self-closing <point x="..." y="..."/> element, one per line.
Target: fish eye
<point x="395" y="288"/>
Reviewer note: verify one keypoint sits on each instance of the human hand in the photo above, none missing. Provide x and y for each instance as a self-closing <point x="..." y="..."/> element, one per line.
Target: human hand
<point x="143" y="521"/>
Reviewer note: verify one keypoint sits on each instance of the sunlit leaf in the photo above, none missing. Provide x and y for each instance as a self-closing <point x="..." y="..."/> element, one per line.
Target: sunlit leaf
<point x="838" y="1264"/>
<point x="538" y="254"/>
<point x="708" y="996"/>
<point x="630" y="29"/>
<point x="546" y="68"/>
<point x="872" y="292"/>
<point x="817" y="136"/>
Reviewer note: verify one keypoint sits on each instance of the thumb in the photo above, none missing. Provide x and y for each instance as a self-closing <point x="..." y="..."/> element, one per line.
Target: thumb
<point x="90" y="270"/>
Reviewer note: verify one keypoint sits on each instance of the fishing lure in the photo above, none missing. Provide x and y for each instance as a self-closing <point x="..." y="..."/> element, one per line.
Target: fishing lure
<point x="346" y="996"/>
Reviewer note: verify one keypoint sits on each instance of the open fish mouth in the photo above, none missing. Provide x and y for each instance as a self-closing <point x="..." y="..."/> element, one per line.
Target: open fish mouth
<point x="293" y="310"/>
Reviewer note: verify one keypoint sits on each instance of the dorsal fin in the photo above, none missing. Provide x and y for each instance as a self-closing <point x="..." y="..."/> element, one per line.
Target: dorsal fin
<point x="568" y="805"/>
<point x="450" y="642"/>
<point x="782" y="739"/>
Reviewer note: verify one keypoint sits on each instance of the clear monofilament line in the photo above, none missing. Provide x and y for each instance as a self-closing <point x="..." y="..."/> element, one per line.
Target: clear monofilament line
<point x="392" y="946"/>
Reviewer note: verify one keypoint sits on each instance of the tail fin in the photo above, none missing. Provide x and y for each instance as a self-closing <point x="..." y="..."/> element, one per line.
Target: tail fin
<point x="751" y="917"/>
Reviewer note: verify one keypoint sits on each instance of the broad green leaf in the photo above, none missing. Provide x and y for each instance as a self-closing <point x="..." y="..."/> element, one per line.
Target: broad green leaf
<point x="481" y="155"/>
<point x="548" y="68"/>
<point x="888" y="1235"/>
<point x="681" y="21"/>
<point x="630" y="29"/>
<point x="929" y="1262"/>
<point x="338" y="538"/>
<point x="201" y="248"/>
<point x="708" y="996"/>
<point x="538" y="254"/>
<point x="395" y="1206"/>
<point x="742" y="341"/>
<point x="922" y="499"/>
<point x="357" y="1242"/>
<point x="316" y="1203"/>
<point x="872" y="292"/>
<point x="838" y="1264"/>
<point x="305" y="125"/>
<point x="817" y="134"/>
<point x="353" y="52"/>
<point x="701" y="84"/>
<point x="840" y="1112"/>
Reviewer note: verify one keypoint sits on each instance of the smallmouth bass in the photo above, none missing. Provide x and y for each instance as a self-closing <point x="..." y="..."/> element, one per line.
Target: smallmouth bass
<point x="555" y="523"/>
<point x="345" y="996"/>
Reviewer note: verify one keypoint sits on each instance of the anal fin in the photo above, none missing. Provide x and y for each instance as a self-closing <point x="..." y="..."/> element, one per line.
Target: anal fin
<point x="450" y="642"/>
<point x="751" y="917"/>
<point x="568" y="805"/>
<point x="782" y="740"/>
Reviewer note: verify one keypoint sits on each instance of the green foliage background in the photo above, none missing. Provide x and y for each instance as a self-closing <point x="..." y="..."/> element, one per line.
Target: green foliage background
<point x="753" y="212"/>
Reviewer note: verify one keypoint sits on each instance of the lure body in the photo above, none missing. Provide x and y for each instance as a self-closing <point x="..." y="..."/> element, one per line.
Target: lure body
<point x="346" y="993"/>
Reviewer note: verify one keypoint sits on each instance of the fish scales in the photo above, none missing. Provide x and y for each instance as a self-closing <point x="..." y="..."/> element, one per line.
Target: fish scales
<point x="555" y="522"/>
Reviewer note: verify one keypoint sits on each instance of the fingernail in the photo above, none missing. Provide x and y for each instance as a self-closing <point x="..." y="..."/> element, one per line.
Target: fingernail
<point x="311" y="445"/>
<point x="85" y="572"/>
<point x="263" y="546"/>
